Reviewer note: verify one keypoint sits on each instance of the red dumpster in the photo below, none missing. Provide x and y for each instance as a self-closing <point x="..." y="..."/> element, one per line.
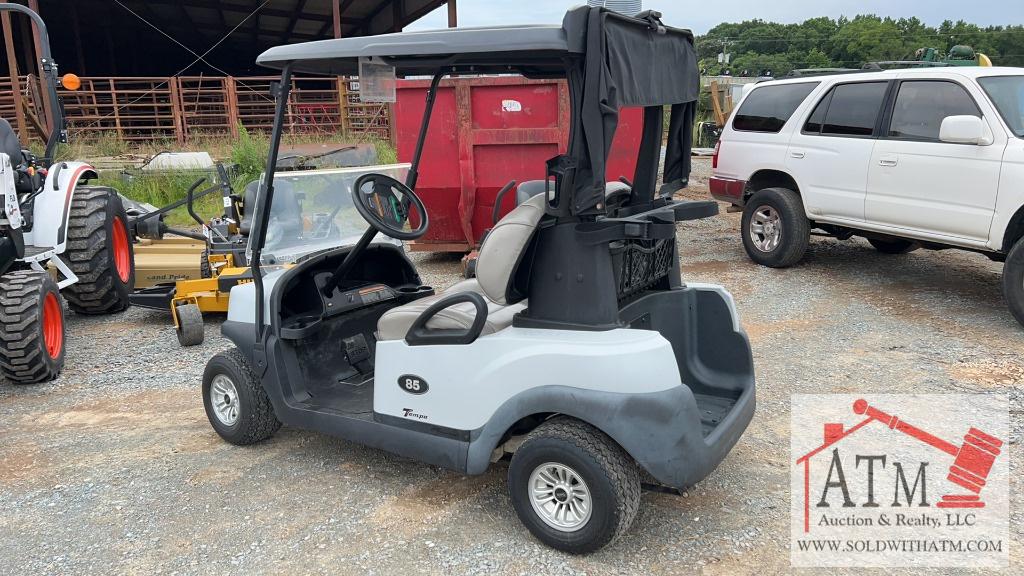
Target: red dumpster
<point x="483" y="133"/>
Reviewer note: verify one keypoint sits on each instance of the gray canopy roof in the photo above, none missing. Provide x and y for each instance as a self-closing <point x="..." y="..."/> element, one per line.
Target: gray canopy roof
<point x="533" y="50"/>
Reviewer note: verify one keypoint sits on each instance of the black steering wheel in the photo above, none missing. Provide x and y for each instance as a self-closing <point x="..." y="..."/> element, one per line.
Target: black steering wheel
<point x="390" y="206"/>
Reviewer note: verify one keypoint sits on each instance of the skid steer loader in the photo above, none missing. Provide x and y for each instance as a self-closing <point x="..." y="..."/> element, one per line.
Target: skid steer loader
<point x="59" y="239"/>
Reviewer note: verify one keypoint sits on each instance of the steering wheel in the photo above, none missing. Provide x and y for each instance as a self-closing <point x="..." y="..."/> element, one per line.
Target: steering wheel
<point x="390" y="206"/>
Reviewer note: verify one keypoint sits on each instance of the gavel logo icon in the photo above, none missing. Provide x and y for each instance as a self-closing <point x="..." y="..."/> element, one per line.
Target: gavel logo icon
<point x="972" y="460"/>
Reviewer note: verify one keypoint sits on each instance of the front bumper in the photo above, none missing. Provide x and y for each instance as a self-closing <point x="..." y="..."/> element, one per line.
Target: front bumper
<point x="727" y="190"/>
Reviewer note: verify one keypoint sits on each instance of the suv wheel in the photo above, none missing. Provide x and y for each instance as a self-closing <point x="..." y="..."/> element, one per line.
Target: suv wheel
<point x="1013" y="280"/>
<point x="775" y="228"/>
<point x="894" y="246"/>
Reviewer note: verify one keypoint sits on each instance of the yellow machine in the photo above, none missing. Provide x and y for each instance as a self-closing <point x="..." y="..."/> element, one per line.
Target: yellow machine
<point x="189" y="273"/>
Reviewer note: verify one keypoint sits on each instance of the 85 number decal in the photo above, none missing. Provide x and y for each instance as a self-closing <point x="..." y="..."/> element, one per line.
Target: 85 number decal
<point x="412" y="384"/>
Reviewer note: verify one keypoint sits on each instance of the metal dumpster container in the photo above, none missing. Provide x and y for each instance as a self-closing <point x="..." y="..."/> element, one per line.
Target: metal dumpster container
<point x="483" y="133"/>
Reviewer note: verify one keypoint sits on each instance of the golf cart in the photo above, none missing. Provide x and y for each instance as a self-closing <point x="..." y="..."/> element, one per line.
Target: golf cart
<point x="578" y="353"/>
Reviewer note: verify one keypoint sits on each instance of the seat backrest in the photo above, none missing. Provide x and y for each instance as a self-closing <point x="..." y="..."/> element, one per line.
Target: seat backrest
<point x="285" y="202"/>
<point x="9" y="143"/>
<point x="248" y="206"/>
<point x="504" y="247"/>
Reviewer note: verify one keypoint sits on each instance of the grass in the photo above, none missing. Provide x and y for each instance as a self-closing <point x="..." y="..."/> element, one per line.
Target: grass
<point x="248" y="152"/>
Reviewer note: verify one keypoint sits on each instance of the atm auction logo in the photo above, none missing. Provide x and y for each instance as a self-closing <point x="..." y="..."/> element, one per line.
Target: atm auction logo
<point x="900" y="480"/>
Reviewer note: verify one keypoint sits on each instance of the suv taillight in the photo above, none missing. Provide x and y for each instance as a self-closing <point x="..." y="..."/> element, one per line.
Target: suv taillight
<point x="714" y="157"/>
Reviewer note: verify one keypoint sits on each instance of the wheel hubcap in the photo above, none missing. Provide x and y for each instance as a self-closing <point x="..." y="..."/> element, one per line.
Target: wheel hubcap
<point x="224" y="399"/>
<point x="560" y="497"/>
<point x="765" y="229"/>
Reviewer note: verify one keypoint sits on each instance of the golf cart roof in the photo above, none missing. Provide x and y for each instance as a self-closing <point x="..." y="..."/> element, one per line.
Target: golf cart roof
<point x="610" y="61"/>
<point x="540" y="49"/>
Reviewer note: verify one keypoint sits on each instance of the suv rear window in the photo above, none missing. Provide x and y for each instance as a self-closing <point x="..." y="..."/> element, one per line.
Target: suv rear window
<point x="848" y="110"/>
<point x="768" y="108"/>
<point x="921" y="105"/>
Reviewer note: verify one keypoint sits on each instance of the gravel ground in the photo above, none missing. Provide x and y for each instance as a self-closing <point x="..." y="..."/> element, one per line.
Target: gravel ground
<point x="114" y="469"/>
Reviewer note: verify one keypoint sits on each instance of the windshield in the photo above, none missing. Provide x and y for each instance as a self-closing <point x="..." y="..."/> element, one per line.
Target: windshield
<point x="1007" y="93"/>
<point x="312" y="211"/>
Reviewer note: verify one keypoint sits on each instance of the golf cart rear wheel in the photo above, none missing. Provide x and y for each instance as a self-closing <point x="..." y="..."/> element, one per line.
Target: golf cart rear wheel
<point x="190" y="325"/>
<point x="894" y="246"/>
<point x="32" y="332"/>
<point x="573" y="487"/>
<point x="235" y="402"/>
<point x="99" y="252"/>
<point x="775" y="228"/>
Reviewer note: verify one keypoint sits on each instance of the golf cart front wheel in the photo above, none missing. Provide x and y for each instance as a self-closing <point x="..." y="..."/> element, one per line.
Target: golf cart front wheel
<point x="573" y="487"/>
<point x="236" y="403"/>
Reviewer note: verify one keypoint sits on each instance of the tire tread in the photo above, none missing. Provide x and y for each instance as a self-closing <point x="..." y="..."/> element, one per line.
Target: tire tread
<point x="88" y="253"/>
<point x="22" y="350"/>
<point x="621" y="471"/>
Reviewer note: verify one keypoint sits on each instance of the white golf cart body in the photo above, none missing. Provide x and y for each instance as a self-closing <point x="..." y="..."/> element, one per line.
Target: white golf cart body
<point x="578" y="309"/>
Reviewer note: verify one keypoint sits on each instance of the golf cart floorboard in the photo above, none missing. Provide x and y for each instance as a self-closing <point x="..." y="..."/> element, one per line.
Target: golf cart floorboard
<point x="350" y="400"/>
<point x="712" y="410"/>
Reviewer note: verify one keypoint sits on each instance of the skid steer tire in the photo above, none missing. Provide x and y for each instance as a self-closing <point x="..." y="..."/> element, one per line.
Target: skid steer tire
<point x="32" y="332"/>
<point x="99" y="252"/>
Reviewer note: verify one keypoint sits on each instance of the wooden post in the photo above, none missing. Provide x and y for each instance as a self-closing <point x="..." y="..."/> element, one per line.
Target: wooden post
<point x="453" y="16"/>
<point x="47" y="111"/>
<point x="336" y="11"/>
<point x="12" y="67"/>
<point x="232" y="97"/>
<point x="113" y="100"/>
<point x="343" y="112"/>
<point x="342" y="91"/>
<point x="177" y="108"/>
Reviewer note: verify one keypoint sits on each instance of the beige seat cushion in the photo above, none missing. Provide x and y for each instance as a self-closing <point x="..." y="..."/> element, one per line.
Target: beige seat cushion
<point x="395" y="323"/>
<point x="504" y="246"/>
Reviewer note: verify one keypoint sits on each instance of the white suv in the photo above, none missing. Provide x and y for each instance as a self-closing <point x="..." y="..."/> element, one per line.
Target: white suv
<point x="930" y="158"/>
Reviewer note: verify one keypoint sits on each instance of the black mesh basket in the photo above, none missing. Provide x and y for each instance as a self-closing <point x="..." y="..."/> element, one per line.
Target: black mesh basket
<point x="639" y="264"/>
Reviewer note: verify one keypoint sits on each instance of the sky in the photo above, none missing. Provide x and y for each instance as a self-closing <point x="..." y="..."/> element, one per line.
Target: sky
<point x="699" y="17"/>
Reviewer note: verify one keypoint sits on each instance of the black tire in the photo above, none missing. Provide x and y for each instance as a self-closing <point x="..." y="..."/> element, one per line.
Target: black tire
<point x="30" y="307"/>
<point x="894" y="246"/>
<point x="256" y="420"/>
<point x="1013" y="280"/>
<point x="97" y="239"/>
<point x="794" y="228"/>
<point x="190" y="325"/>
<point x="610" y="475"/>
<point x="204" y="265"/>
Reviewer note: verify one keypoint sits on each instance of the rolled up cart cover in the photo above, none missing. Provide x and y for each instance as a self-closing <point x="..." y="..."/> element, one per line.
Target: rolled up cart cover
<point x="630" y="62"/>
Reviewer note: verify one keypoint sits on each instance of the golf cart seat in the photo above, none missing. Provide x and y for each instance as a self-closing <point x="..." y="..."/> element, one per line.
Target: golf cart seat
<point x="500" y="254"/>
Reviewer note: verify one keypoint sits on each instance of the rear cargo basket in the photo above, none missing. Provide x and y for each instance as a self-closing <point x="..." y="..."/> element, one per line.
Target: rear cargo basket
<point x="639" y="264"/>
